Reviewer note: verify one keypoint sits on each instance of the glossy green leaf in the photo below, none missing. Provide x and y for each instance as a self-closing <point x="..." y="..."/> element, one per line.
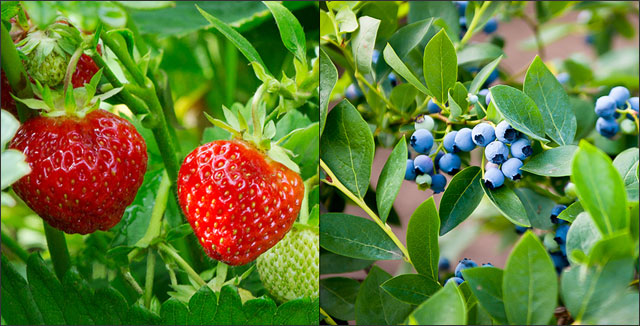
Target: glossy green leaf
<point x="347" y="147"/>
<point x="374" y="306"/>
<point x="403" y="96"/>
<point x="18" y="306"/>
<point x="482" y="76"/>
<point x="579" y="73"/>
<point x="459" y="94"/>
<point x="460" y="199"/>
<point x="422" y="239"/>
<point x="486" y="285"/>
<point x="519" y="110"/>
<point x="203" y="306"/>
<point x="627" y="164"/>
<point x="455" y="110"/>
<point x="445" y="307"/>
<point x="291" y="31"/>
<point x="600" y="189"/>
<point x="411" y="288"/>
<point x="571" y="212"/>
<point x="391" y="179"/>
<point x="538" y="208"/>
<point x="508" y="203"/>
<point x="174" y="312"/>
<point x="392" y="59"/>
<point x="552" y="101"/>
<point x="302" y="311"/>
<point x="356" y="237"/>
<point x="331" y="263"/>
<point x="404" y="40"/>
<point x="329" y="78"/>
<point x="583" y="234"/>
<point x="555" y="162"/>
<point x="229" y="310"/>
<point x="346" y="20"/>
<point x="584" y="109"/>
<point x="304" y="142"/>
<point x="444" y="11"/>
<point x="262" y="311"/>
<point x="338" y="296"/>
<point x="363" y="42"/>
<point x="439" y="66"/>
<point x="530" y="286"/>
<point x="489" y="12"/>
<point x="479" y="53"/>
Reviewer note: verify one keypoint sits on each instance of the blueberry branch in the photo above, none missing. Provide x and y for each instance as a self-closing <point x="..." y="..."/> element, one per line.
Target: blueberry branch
<point x="474" y="22"/>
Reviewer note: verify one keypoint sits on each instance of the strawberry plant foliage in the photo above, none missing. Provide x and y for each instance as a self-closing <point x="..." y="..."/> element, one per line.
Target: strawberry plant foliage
<point x="109" y="106"/>
<point x="545" y="158"/>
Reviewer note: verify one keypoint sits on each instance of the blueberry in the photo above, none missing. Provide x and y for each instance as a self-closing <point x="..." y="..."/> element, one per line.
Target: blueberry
<point x="410" y="172"/>
<point x="607" y="127"/>
<point x="487" y="265"/>
<point x="449" y="142"/>
<point x="393" y="79"/>
<point x="423" y="164"/>
<point x="424" y="121"/>
<point x="464" y="264"/>
<point x="505" y="133"/>
<point x="491" y="26"/>
<point x="589" y="39"/>
<point x="422" y="141"/>
<point x="493" y="178"/>
<point x="634" y="103"/>
<point x="463" y="22"/>
<point x="457" y="280"/>
<point x="511" y="169"/>
<point x="487" y="98"/>
<point x="443" y="264"/>
<point x="462" y="7"/>
<point x="483" y="92"/>
<point x="483" y="134"/>
<point x="605" y="106"/>
<point x="559" y="261"/>
<point x="438" y="182"/>
<point x="521" y="148"/>
<point x="464" y="141"/>
<point x="555" y="212"/>
<point x="570" y="190"/>
<point x="496" y="152"/>
<point x="436" y="159"/>
<point x="490" y="165"/>
<point x="375" y="56"/>
<point x="433" y="107"/>
<point x="563" y="77"/>
<point x="353" y="92"/>
<point x="620" y="94"/>
<point x="561" y="234"/>
<point x="492" y="77"/>
<point x="449" y="163"/>
<point x="473" y="99"/>
<point x="521" y="229"/>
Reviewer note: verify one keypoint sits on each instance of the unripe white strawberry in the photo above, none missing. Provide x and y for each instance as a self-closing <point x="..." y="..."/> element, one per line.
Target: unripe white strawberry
<point x="290" y="269"/>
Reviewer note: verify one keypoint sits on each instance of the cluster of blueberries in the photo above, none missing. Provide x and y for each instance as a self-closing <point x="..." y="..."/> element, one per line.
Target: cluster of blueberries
<point x="607" y="124"/>
<point x="505" y="150"/>
<point x="443" y="265"/>
<point x="490" y="27"/>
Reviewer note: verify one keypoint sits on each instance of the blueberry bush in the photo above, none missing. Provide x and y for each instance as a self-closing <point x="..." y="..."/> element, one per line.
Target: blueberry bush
<point x="545" y="158"/>
<point x="101" y="104"/>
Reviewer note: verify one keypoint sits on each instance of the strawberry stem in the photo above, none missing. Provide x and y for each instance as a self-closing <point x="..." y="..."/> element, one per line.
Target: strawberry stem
<point x="148" y="281"/>
<point x="255" y="103"/>
<point x="57" y="249"/>
<point x="71" y="68"/>
<point x="182" y="263"/>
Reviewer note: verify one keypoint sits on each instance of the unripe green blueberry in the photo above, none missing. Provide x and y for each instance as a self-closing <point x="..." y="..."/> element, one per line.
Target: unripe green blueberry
<point x="424" y="180"/>
<point x="628" y="127"/>
<point x="570" y="190"/>
<point x="424" y="122"/>
<point x="549" y="242"/>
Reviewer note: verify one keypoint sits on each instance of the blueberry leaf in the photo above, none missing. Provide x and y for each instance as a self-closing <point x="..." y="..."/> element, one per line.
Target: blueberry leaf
<point x="508" y="203"/>
<point x="391" y="179"/>
<point x="519" y="110"/>
<point x="374" y="306"/>
<point x="460" y="199"/>
<point x="411" y="288"/>
<point x="445" y="307"/>
<point x="555" y="162"/>
<point x="482" y="76"/>
<point x="403" y="41"/>
<point x="327" y="83"/>
<point x="363" y="42"/>
<point x="627" y="164"/>
<point x="392" y="59"/>
<point x="422" y="239"/>
<point x="582" y="235"/>
<point x="486" y="285"/>
<point x="338" y="296"/>
<point x="440" y="66"/>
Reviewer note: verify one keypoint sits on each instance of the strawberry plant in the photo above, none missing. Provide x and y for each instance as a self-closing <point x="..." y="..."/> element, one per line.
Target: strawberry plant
<point x="436" y="122"/>
<point x="160" y="163"/>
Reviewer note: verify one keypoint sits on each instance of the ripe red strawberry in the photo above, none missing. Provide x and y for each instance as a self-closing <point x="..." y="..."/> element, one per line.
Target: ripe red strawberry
<point x="85" y="69"/>
<point x="8" y="103"/>
<point x="85" y="171"/>
<point x="238" y="201"/>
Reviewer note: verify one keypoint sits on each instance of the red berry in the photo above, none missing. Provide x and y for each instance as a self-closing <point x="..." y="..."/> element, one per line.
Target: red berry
<point x="238" y="201"/>
<point x="85" y="69"/>
<point x="85" y="171"/>
<point x="8" y="103"/>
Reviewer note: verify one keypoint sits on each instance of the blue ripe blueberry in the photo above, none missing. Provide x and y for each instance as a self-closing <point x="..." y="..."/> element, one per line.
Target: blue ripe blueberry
<point x="483" y="134"/>
<point x="561" y="233"/>
<point x="505" y="133"/>
<point x="589" y="39"/>
<point x="605" y="106"/>
<point x="422" y="141"/>
<point x="375" y="56"/>
<point x="393" y="79"/>
<point x="493" y="178"/>
<point x="487" y="98"/>
<point x="620" y="94"/>
<point x="473" y="99"/>
<point x="410" y="172"/>
<point x="457" y="280"/>
<point x="449" y="142"/>
<point x="521" y="229"/>
<point x="607" y="127"/>
<point x="521" y="148"/>
<point x="559" y="261"/>
<point x="490" y="165"/>
<point x="462" y="7"/>
<point x="463" y="22"/>
<point x="491" y="26"/>
<point x="436" y="159"/>
<point x="464" y="141"/>
<point x="634" y="103"/>
<point x="449" y="163"/>
<point x="563" y="77"/>
<point x="423" y="164"/>
<point x="352" y="92"/>
<point x="492" y="77"/>
<point x="433" y="107"/>
<point x="511" y="169"/>
<point x="555" y="212"/>
<point x="464" y="264"/>
<point x="483" y="92"/>
<point x="443" y="264"/>
<point x="496" y="152"/>
<point x="438" y="182"/>
<point x="487" y="265"/>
